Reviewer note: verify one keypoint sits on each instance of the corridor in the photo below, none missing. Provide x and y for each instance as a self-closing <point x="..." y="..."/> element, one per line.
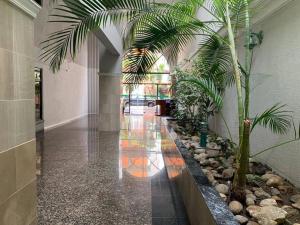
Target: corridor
<point x="88" y="177"/>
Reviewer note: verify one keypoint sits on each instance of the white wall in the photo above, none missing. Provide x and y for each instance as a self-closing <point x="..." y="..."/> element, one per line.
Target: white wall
<point x="276" y="79"/>
<point x="65" y="94"/>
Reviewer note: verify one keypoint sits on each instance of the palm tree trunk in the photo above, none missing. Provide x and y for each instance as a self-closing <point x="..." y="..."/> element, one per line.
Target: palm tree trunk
<point x="240" y="179"/>
<point x="248" y="56"/>
<point x="237" y="73"/>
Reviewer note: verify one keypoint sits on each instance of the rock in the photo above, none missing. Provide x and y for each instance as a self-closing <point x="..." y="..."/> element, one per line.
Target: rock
<point x="204" y="162"/>
<point x="235" y="207"/>
<point x="260" y="193"/>
<point x="275" y="191"/>
<point x="222" y="188"/>
<point x="210" y="177"/>
<point x="203" y="156"/>
<point x="218" y="176"/>
<point x="267" y="214"/>
<point x="252" y="223"/>
<point x="200" y="150"/>
<point x="197" y="157"/>
<point x="250" y="201"/>
<point x="275" y="181"/>
<point x="195" y="146"/>
<point x="185" y="137"/>
<point x="228" y="173"/>
<point x="296" y="205"/>
<point x="277" y="199"/>
<point x="224" y="197"/>
<point x="247" y="191"/>
<point x="268" y="202"/>
<point x="290" y="211"/>
<point x="214" y="164"/>
<point x="285" y="189"/>
<point x="295" y="198"/>
<point x="213" y="145"/>
<point x="195" y="138"/>
<point x="241" y="219"/>
<point x="213" y="153"/>
<point x="214" y="183"/>
<point x="267" y="176"/>
<point x="252" y="196"/>
<point x="231" y="159"/>
<point x="259" y="169"/>
<point x="220" y="169"/>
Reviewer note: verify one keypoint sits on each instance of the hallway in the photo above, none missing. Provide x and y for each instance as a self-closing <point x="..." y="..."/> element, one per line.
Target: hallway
<point x="93" y="178"/>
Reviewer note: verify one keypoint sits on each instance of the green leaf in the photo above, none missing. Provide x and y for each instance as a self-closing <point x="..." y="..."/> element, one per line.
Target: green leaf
<point x="209" y="89"/>
<point x="277" y="119"/>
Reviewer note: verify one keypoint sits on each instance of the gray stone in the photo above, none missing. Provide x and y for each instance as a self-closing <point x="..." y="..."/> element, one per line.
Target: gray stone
<point x="241" y="219"/>
<point x="295" y="198"/>
<point x="251" y="196"/>
<point x="296" y="205"/>
<point x="213" y="145"/>
<point x="290" y="211"/>
<point x="252" y="223"/>
<point x="250" y="201"/>
<point x="267" y="176"/>
<point x="235" y="207"/>
<point x="228" y="173"/>
<point x="277" y="198"/>
<point x="200" y="150"/>
<point x="275" y="191"/>
<point x="213" y="153"/>
<point x="214" y="164"/>
<point x="204" y="162"/>
<point x="267" y="214"/>
<point x="285" y="189"/>
<point x="195" y="138"/>
<point x="222" y="188"/>
<point x="261" y="193"/>
<point x="268" y="202"/>
<point x="275" y="181"/>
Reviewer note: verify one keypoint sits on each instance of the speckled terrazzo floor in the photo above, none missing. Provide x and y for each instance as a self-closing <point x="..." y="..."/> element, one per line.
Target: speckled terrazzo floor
<point x="104" y="178"/>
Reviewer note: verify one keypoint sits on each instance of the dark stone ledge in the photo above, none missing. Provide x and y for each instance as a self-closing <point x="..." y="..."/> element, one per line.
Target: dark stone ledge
<point x="203" y="203"/>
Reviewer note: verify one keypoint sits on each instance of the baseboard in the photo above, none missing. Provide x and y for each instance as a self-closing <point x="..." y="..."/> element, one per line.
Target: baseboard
<point x="51" y="127"/>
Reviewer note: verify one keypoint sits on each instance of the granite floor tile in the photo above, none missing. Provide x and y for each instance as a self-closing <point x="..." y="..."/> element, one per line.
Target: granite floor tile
<point x="88" y="177"/>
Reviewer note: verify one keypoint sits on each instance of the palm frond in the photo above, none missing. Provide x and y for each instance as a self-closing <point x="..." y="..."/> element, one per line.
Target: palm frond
<point x="208" y="87"/>
<point x="82" y="17"/>
<point x="137" y="62"/>
<point x="277" y="119"/>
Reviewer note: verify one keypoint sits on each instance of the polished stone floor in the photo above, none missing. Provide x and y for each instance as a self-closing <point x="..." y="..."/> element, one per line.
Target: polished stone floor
<point x="87" y="177"/>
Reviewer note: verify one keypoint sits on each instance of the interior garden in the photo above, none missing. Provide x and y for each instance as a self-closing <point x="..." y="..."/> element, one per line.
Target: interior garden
<point x="255" y="194"/>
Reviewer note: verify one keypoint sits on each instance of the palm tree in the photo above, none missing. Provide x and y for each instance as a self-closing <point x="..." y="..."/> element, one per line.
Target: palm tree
<point x="153" y="29"/>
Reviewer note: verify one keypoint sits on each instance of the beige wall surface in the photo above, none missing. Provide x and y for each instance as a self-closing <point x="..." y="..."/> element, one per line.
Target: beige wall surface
<point x="17" y="117"/>
<point x="276" y="79"/>
<point x="66" y="92"/>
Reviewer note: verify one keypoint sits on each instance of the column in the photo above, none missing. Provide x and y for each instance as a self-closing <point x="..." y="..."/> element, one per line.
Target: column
<point x="17" y="113"/>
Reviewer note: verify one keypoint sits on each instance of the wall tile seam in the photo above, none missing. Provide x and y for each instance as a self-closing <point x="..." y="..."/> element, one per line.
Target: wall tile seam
<point x="18" y="191"/>
<point x="17" y="100"/>
<point x="63" y="68"/>
<point x="18" y="53"/>
<point x="17" y="146"/>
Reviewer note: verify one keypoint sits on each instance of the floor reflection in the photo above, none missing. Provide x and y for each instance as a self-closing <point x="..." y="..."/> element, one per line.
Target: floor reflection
<point x="91" y="177"/>
<point x="140" y="146"/>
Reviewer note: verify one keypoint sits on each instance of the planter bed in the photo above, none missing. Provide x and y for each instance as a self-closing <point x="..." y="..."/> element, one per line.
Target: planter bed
<point x="204" y="181"/>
